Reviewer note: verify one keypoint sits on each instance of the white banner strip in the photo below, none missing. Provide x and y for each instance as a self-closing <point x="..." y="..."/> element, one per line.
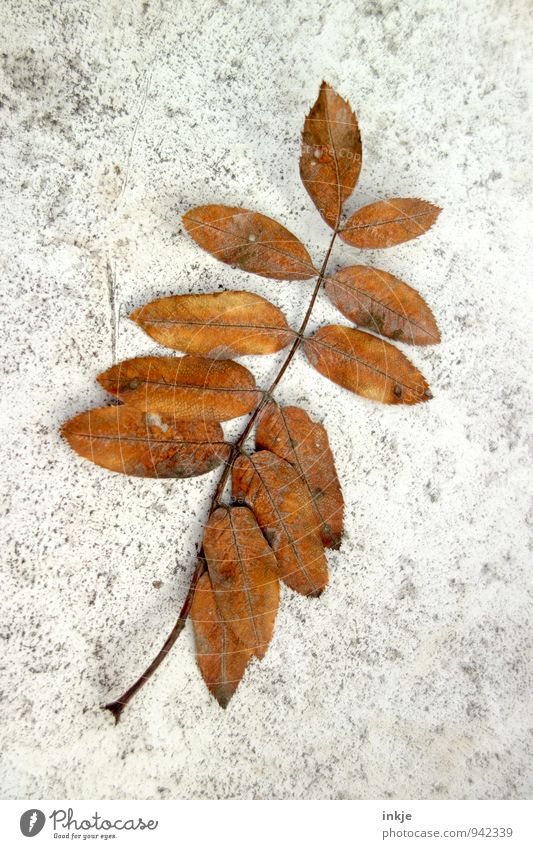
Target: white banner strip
<point x="265" y="824"/>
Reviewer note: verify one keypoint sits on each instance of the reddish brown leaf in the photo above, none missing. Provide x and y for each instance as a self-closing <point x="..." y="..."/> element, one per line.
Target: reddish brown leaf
<point x="283" y="507"/>
<point x="222" y="326"/>
<point x="221" y="656"/>
<point x="378" y="300"/>
<point x="243" y="573"/>
<point x="250" y="241"/>
<point x="287" y="499"/>
<point x="291" y="434"/>
<point x="152" y="445"/>
<point x="188" y="387"/>
<point x="366" y="365"/>
<point x="331" y="156"/>
<point x="389" y="222"/>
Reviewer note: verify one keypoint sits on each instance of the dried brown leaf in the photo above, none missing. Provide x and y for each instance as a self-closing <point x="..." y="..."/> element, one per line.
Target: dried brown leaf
<point x="366" y="365"/>
<point x="188" y="387"/>
<point x="250" y="241"/>
<point x="331" y="156"/>
<point x="221" y="325"/>
<point x="376" y="299"/>
<point x="243" y="573"/>
<point x="282" y="505"/>
<point x="155" y="445"/>
<point x="389" y="222"/>
<point x="221" y="656"/>
<point x="293" y="435"/>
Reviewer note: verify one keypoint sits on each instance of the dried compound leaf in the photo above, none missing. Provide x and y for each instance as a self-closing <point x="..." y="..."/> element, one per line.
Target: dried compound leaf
<point x="243" y="573"/>
<point x="293" y="435"/>
<point x="222" y="325"/>
<point x="376" y="299"/>
<point x="389" y="222"/>
<point x="272" y="489"/>
<point x="155" y="445"/>
<point x="331" y="156"/>
<point x="288" y="504"/>
<point x="189" y="387"/>
<point x="366" y="365"/>
<point x="250" y="241"/>
<point x="221" y="656"/>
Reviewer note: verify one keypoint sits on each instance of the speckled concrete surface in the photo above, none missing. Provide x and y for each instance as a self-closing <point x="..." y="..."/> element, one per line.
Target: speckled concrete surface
<point x="409" y="677"/>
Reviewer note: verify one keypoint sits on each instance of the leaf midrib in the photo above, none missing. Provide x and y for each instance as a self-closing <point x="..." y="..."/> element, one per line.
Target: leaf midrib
<point x="349" y="286"/>
<point x="256" y="244"/>
<point x="284" y="526"/>
<point x="147" y="440"/>
<point x="193" y="386"/>
<point x="343" y="353"/>
<point x="314" y="501"/>
<point x="398" y="220"/>
<point x="244" y="578"/>
<point x="278" y="329"/>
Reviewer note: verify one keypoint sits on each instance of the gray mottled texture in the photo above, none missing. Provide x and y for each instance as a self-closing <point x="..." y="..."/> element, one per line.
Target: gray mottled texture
<point x="409" y="677"/>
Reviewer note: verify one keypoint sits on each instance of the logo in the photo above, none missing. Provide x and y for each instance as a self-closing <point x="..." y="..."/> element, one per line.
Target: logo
<point x="32" y="822"/>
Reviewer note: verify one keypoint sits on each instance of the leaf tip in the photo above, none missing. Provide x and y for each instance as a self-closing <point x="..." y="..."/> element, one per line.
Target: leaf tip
<point x="436" y="209"/>
<point x="223" y="696"/>
<point x="64" y="430"/>
<point x="331" y="539"/>
<point x="101" y="378"/>
<point x="135" y="315"/>
<point x="433" y="209"/>
<point x="187" y="220"/>
<point x="316" y="593"/>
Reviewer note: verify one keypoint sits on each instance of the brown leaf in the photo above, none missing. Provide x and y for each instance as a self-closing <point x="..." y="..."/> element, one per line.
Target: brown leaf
<point x="378" y="300"/>
<point x="188" y="387"/>
<point x="331" y="156"/>
<point x="366" y="365"/>
<point x="152" y="445"/>
<point x="272" y="489"/>
<point x="250" y="241"/>
<point x="291" y="434"/>
<point x="222" y="325"/>
<point x="221" y="656"/>
<point x="389" y="222"/>
<point x="243" y="573"/>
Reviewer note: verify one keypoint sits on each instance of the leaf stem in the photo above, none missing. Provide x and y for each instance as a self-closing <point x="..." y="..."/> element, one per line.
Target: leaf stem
<point x="119" y="704"/>
<point x="116" y="707"/>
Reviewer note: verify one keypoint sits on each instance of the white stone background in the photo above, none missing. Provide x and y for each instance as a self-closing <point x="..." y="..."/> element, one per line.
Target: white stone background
<point x="409" y="678"/>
